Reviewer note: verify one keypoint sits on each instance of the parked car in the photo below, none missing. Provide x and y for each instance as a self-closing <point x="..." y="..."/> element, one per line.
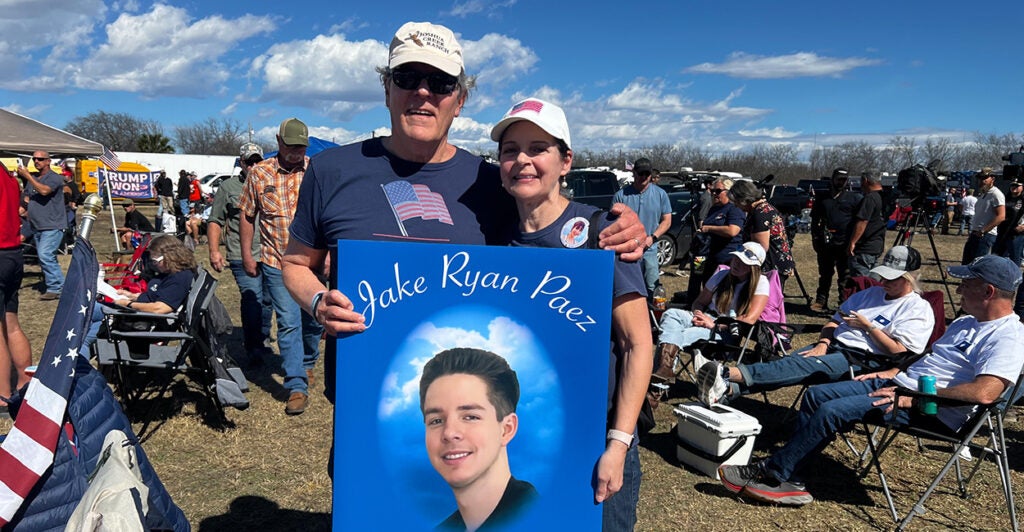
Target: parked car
<point x="788" y="199"/>
<point x="674" y="245"/>
<point x="210" y="182"/>
<point x="593" y="187"/>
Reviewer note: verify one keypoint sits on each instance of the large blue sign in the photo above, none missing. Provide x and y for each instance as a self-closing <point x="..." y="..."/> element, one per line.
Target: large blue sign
<point x="547" y="312"/>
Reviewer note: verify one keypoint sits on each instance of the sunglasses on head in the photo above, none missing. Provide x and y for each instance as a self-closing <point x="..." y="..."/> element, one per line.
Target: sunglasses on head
<point x="438" y="82"/>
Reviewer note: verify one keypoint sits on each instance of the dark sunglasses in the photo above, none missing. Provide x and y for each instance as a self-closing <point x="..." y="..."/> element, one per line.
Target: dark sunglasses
<point x="717" y="190"/>
<point x="40" y="158"/>
<point x="438" y="82"/>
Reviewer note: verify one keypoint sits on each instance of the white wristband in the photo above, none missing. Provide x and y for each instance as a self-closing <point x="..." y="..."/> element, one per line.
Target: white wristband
<point x="620" y="436"/>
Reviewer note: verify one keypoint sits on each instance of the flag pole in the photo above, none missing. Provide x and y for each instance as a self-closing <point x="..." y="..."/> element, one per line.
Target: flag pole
<point x="110" y="203"/>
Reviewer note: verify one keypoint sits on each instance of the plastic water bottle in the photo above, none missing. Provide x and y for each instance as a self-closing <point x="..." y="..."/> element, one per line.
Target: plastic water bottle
<point x="660" y="297"/>
<point x="926" y="384"/>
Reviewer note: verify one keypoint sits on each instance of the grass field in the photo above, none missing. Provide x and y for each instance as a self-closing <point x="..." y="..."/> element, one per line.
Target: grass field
<point x="268" y="472"/>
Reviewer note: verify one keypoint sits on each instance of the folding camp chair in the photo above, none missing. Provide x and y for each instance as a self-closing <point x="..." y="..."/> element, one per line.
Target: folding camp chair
<point x="141" y="359"/>
<point x="988" y="416"/>
<point x="121" y="274"/>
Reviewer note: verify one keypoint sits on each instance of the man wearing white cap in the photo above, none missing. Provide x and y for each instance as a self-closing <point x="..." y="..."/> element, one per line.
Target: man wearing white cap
<point x="411" y="186"/>
<point x="890" y="319"/>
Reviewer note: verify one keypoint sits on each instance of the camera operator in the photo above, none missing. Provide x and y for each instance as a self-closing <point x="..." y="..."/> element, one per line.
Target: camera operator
<point x="989" y="212"/>
<point x="830" y="218"/>
<point x="867" y="232"/>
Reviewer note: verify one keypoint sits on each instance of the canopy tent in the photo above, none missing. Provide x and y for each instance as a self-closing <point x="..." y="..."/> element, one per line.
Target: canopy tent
<point x="21" y="135"/>
<point x="316" y="145"/>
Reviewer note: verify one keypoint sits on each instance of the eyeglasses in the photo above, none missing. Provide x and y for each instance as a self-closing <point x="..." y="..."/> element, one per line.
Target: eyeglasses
<point x="40" y="158"/>
<point x="717" y="190"/>
<point x="438" y="82"/>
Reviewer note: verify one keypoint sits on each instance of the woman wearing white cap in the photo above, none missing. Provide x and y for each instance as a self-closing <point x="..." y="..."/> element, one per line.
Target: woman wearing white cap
<point x="729" y="292"/>
<point x="534" y="152"/>
<point x="883" y="320"/>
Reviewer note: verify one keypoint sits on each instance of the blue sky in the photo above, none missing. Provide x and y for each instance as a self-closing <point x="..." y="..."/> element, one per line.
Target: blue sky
<point x="722" y="75"/>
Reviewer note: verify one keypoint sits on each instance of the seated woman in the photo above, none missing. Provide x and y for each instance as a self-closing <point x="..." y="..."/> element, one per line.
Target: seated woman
<point x="729" y="292"/>
<point x="174" y="267"/>
<point x="534" y="153"/>
<point x="890" y="319"/>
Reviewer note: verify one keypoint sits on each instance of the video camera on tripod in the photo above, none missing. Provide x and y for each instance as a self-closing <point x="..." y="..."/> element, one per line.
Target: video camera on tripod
<point x="1016" y="167"/>
<point x="919" y="185"/>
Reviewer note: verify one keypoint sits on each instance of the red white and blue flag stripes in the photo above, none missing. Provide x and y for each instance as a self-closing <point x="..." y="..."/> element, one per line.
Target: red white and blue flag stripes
<point x="416" y="201"/>
<point x="110" y="159"/>
<point x="28" y="450"/>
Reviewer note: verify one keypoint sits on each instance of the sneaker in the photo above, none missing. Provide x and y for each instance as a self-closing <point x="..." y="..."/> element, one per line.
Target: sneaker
<point x="711" y="385"/>
<point x="297" y="403"/>
<point x="818" y="306"/>
<point x="50" y="296"/>
<point x="754" y="482"/>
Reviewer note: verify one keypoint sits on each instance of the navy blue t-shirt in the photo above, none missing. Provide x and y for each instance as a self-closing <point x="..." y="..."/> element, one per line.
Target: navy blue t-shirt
<point x="629" y="277"/>
<point x="722" y="246"/>
<point x="362" y="192"/>
<point x="171" y="289"/>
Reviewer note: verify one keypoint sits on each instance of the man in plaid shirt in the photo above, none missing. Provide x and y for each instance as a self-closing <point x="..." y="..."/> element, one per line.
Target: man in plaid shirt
<point x="270" y="194"/>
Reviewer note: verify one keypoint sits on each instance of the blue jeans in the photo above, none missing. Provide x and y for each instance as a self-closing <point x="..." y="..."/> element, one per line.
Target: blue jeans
<point x="651" y="269"/>
<point x="47" y="243"/>
<point x="677" y="328"/>
<point x="977" y="246"/>
<point x="183" y="205"/>
<point x="793" y="369"/>
<point x="861" y="264"/>
<point x="298" y="334"/>
<point x="98" y="312"/>
<point x="826" y="410"/>
<point x="965" y="221"/>
<point x="255" y="309"/>
<point x="619" y="512"/>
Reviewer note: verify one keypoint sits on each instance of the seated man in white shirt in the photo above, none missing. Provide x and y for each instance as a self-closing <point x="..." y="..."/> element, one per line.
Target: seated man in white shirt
<point x="891" y="319"/>
<point x="977" y="358"/>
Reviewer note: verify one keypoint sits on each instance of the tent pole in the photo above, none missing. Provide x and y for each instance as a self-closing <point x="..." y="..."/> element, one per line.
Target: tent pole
<point x="113" y="222"/>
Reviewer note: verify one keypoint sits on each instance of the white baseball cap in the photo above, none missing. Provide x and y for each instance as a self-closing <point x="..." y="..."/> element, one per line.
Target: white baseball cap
<point x="752" y="254"/>
<point x="430" y="44"/>
<point x="545" y="115"/>
<point x="898" y="261"/>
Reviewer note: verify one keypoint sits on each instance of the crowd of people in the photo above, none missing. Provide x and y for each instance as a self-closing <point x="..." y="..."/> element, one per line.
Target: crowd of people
<point x="280" y="218"/>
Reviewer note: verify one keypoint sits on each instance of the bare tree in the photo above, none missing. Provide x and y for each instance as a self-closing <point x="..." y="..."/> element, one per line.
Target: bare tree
<point x="211" y="137"/>
<point x="116" y="131"/>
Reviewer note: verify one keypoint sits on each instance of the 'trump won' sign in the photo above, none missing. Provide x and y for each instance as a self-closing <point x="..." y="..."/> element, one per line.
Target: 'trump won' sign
<point x="134" y="185"/>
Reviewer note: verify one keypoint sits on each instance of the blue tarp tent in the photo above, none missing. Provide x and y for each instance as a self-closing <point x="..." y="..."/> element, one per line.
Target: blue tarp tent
<point x="316" y="145"/>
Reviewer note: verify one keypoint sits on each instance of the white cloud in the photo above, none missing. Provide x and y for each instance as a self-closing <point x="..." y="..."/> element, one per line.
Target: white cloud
<point x="35" y="110"/>
<point x="797" y="65"/>
<point x="775" y="133"/>
<point x="328" y="73"/>
<point x="165" y="53"/>
<point x="472" y="7"/>
<point x="34" y="49"/>
<point x="348" y="25"/>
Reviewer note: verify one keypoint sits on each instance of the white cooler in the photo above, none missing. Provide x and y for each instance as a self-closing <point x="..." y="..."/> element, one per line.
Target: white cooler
<point x="707" y="437"/>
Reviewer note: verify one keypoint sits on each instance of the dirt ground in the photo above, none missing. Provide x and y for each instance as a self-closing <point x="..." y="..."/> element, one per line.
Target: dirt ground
<point x="268" y="471"/>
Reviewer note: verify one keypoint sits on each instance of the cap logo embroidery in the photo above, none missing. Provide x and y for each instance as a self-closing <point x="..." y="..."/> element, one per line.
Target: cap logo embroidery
<point x="526" y="105"/>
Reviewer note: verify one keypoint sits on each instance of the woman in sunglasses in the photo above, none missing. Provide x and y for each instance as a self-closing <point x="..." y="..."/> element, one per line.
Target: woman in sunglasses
<point x="721" y="227"/>
<point x="534" y="154"/>
<point x="173" y="266"/>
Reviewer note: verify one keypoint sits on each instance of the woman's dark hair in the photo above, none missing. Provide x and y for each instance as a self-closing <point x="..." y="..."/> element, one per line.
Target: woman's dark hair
<point x="176" y="256"/>
<point x="502" y="383"/>
<point x="745" y="193"/>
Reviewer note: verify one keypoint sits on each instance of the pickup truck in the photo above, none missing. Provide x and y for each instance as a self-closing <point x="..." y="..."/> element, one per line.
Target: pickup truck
<point x="788" y="199"/>
<point x="593" y="187"/>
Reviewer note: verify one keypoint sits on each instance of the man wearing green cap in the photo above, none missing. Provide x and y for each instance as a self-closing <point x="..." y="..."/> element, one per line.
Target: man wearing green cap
<point x="271" y="192"/>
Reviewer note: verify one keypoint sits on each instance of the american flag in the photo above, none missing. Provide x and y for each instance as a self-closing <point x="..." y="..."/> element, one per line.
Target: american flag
<point x="412" y="201"/>
<point x="526" y="105"/>
<point x="28" y="450"/>
<point x="110" y="159"/>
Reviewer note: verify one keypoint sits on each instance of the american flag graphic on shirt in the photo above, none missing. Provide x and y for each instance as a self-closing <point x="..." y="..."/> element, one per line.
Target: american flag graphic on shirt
<point x="416" y="201"/>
